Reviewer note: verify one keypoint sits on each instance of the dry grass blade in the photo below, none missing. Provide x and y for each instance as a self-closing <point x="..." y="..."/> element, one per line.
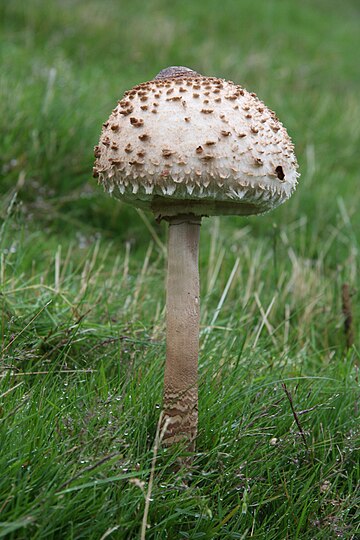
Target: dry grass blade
<point x="11" y="389"/>
<point x="25" y="327"/>
<point x="296" y="418"/>
<point x="158" y="438"/>
<point x="152" y="231"/>
<point x="139" y="283"/>
<point x="26" y="373"/>
<point x="87" y="469"/>
<point x="265" y="320"/>
<point x="221" y="301"/>
<point x="109" y="531"/>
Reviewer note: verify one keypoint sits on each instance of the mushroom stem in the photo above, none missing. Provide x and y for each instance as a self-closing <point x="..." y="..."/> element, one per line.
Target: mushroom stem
<point x="182" y="331"/>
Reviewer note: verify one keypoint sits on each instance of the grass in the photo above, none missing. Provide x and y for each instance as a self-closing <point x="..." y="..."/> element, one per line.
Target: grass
<point x="81" y="284"/>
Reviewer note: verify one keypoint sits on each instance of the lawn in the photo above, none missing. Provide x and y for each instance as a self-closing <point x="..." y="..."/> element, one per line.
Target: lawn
<point x="82" y="284"/>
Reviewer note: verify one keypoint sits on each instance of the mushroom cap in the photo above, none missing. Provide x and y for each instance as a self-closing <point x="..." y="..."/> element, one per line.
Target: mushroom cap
<point x="184" y="143"/>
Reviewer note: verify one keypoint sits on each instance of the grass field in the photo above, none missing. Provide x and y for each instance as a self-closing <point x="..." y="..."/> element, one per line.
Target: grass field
<point x="82" y="284"/>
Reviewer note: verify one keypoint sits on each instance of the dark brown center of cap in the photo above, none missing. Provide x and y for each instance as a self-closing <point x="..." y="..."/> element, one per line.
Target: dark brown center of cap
<point x="176" y="71"/>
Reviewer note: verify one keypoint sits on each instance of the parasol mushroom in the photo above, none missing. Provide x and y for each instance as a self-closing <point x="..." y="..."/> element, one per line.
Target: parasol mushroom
<point x="184" y="146"/>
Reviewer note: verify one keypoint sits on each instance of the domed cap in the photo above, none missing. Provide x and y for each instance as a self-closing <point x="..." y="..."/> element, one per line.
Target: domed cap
<point x="184" y="143"/>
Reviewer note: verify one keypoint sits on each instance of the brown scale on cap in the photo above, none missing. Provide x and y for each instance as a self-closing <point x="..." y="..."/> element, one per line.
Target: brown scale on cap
<point x="136" y="163"/>
<point x="124" y="103"/>
<point x="175" y="98"/>
<point x="128" y="148"/>
<point x="144" y="137"/>
<point x="115" y="161"/>
<point x="136" y="122"/>
<point x="258" y="161"/>
<point x="167" y="153"/>
<point x="275" y="128"/>
<point x="126" y="112"/>
<point x="207" y="111"/>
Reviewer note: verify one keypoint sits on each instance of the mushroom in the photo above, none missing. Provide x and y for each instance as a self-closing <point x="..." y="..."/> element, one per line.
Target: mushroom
<point x="200" y="146"/>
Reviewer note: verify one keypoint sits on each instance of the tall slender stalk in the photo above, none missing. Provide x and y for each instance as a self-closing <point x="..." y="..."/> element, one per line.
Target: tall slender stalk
<point x="182" y="331"/>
